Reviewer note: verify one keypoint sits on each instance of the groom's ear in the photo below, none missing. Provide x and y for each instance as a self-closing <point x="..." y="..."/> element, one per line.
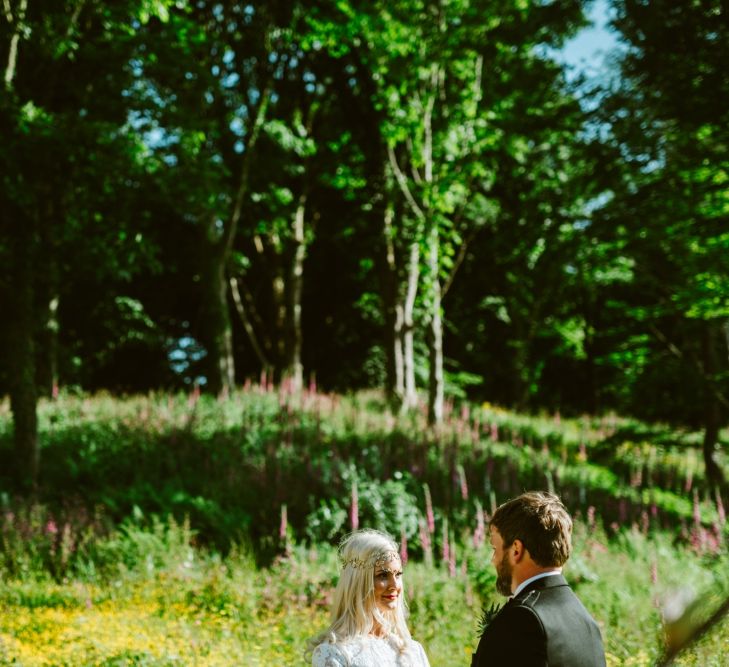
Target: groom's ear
<point x="518" y="550"/>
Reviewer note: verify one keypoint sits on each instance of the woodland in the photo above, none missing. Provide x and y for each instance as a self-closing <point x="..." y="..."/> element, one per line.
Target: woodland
<point x="271" y="270"/>
<point x="414" y="196"/>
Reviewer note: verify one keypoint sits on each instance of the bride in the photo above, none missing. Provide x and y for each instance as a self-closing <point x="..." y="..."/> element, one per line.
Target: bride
<point x="368" y="627"/>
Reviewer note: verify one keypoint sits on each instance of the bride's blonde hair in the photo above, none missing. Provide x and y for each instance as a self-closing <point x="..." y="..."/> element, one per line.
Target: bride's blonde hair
<point x="354" y="609"/>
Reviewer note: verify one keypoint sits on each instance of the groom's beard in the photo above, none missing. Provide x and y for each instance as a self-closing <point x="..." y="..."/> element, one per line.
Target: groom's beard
<point x="503" y="576"/>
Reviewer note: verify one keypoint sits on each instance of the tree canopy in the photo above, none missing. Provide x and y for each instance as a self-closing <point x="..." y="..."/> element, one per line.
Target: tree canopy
<point x="409" y="195"/>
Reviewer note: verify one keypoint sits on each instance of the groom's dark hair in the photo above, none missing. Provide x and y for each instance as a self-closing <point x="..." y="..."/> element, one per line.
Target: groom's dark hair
<point x="541" y="522"/>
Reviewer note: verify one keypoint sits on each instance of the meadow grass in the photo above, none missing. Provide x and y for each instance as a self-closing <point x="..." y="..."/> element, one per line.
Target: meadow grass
<point x="179" y="605"/>
<point x="180" y="530"/>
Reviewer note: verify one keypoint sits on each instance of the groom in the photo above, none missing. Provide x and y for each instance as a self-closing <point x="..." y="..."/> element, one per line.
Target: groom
<point x="543" y="623"/>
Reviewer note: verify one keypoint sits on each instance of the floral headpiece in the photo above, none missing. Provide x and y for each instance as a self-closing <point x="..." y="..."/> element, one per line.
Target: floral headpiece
<point x="372" y="561"/>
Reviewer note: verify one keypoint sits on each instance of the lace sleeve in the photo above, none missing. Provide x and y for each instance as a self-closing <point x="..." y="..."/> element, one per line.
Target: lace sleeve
<point x="326" y="655"/>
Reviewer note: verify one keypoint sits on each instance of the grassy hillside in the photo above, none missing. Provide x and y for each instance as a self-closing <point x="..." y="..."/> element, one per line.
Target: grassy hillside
<point x="181" y="530"/>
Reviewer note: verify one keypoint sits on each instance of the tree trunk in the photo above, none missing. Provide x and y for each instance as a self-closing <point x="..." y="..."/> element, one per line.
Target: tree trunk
<point x="521" y="375"/>
<point x="393" y="312"/>
<point x="19" y="321"/>
<point x="48" y="293"/>
<point x="20" y="349"/>
<point x="219" y="240"/>
<point x="48" y="343"/>
<point x="294" y="368"/>
<point x="591" y="314"/>
<point x="278" y="296"/>
<point x="435" y="334"/>
<point x="247" y="323"/>
<point x="410" y="399"/>
<point x="15" y="18"/>
<point x="219" y="338"/>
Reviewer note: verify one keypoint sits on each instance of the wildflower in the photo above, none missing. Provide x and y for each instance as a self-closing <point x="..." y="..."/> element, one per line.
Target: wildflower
<point x="445" y="546"/>
<point x="194" y="395"/>
<point x="697" y="509"/>
<point x="644" y="522"/>
<point x="591" y="517"/>
<point x="429" y="510"/>
<point x="51" y="527"/>
<point x="403" y="546"/>
<point x="720" y="509"/>
<point x="452" y="559"/>
<point x="425" y="541"/>
<point x="463" y="482"/>
<point x="312" y="384"/>
<point x="479" y="535"/>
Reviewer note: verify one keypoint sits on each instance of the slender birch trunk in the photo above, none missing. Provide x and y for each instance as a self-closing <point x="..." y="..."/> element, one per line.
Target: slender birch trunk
<point x="435" y="334"/>
<point x="393" y="311"/>
<point x="219" y="238"/>
<point x="410" y="399"/>
<point x="294" y="368"/>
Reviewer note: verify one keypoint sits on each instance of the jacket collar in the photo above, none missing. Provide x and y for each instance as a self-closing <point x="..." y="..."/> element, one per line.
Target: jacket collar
<point x="552" y="581"/>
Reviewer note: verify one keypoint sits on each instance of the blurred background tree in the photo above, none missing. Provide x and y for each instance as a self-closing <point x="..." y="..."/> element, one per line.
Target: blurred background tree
<point x="410" y="196"/>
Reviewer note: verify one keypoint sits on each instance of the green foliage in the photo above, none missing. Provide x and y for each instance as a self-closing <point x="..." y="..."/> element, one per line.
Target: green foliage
<point x="230" y="607"/>
<point x="176" y="559"/>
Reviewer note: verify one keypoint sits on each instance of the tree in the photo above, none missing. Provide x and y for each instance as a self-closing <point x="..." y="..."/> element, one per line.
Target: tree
<point x="422" y="83"/>
<point x="62" y="110"/>
<point x="669" y="119"/>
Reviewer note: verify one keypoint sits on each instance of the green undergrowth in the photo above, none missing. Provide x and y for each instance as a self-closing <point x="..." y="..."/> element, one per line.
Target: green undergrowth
<point x="173" y="529"/>
<point x="231" y="466"/>
<point x="154" y="598"/>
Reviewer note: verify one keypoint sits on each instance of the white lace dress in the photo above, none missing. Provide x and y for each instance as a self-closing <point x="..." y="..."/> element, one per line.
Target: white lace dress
<point x="369" y="652"/>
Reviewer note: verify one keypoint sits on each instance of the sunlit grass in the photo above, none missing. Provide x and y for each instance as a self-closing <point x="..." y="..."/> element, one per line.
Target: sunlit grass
<point x="214" y="611"/>
<point x="172" y="554"/>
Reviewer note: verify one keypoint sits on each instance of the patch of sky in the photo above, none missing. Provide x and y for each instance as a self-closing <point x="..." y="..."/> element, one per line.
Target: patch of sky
<point x="237" y="127"/>
<point x="586" y="53"/>
<point x="590" y="56"/>
<point x="183" y="354"/>
<point x="230" y="80"/>
<point x="153" y="135"/>
<point x="136" y="66"/>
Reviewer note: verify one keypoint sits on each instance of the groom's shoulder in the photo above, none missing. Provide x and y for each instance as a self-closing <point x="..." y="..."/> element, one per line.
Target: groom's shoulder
<point x="551" y="602"/>
<point x="520" y="612"/>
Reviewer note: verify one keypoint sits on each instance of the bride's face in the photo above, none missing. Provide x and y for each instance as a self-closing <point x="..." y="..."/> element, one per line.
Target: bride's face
<point x="388" y="584"/>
